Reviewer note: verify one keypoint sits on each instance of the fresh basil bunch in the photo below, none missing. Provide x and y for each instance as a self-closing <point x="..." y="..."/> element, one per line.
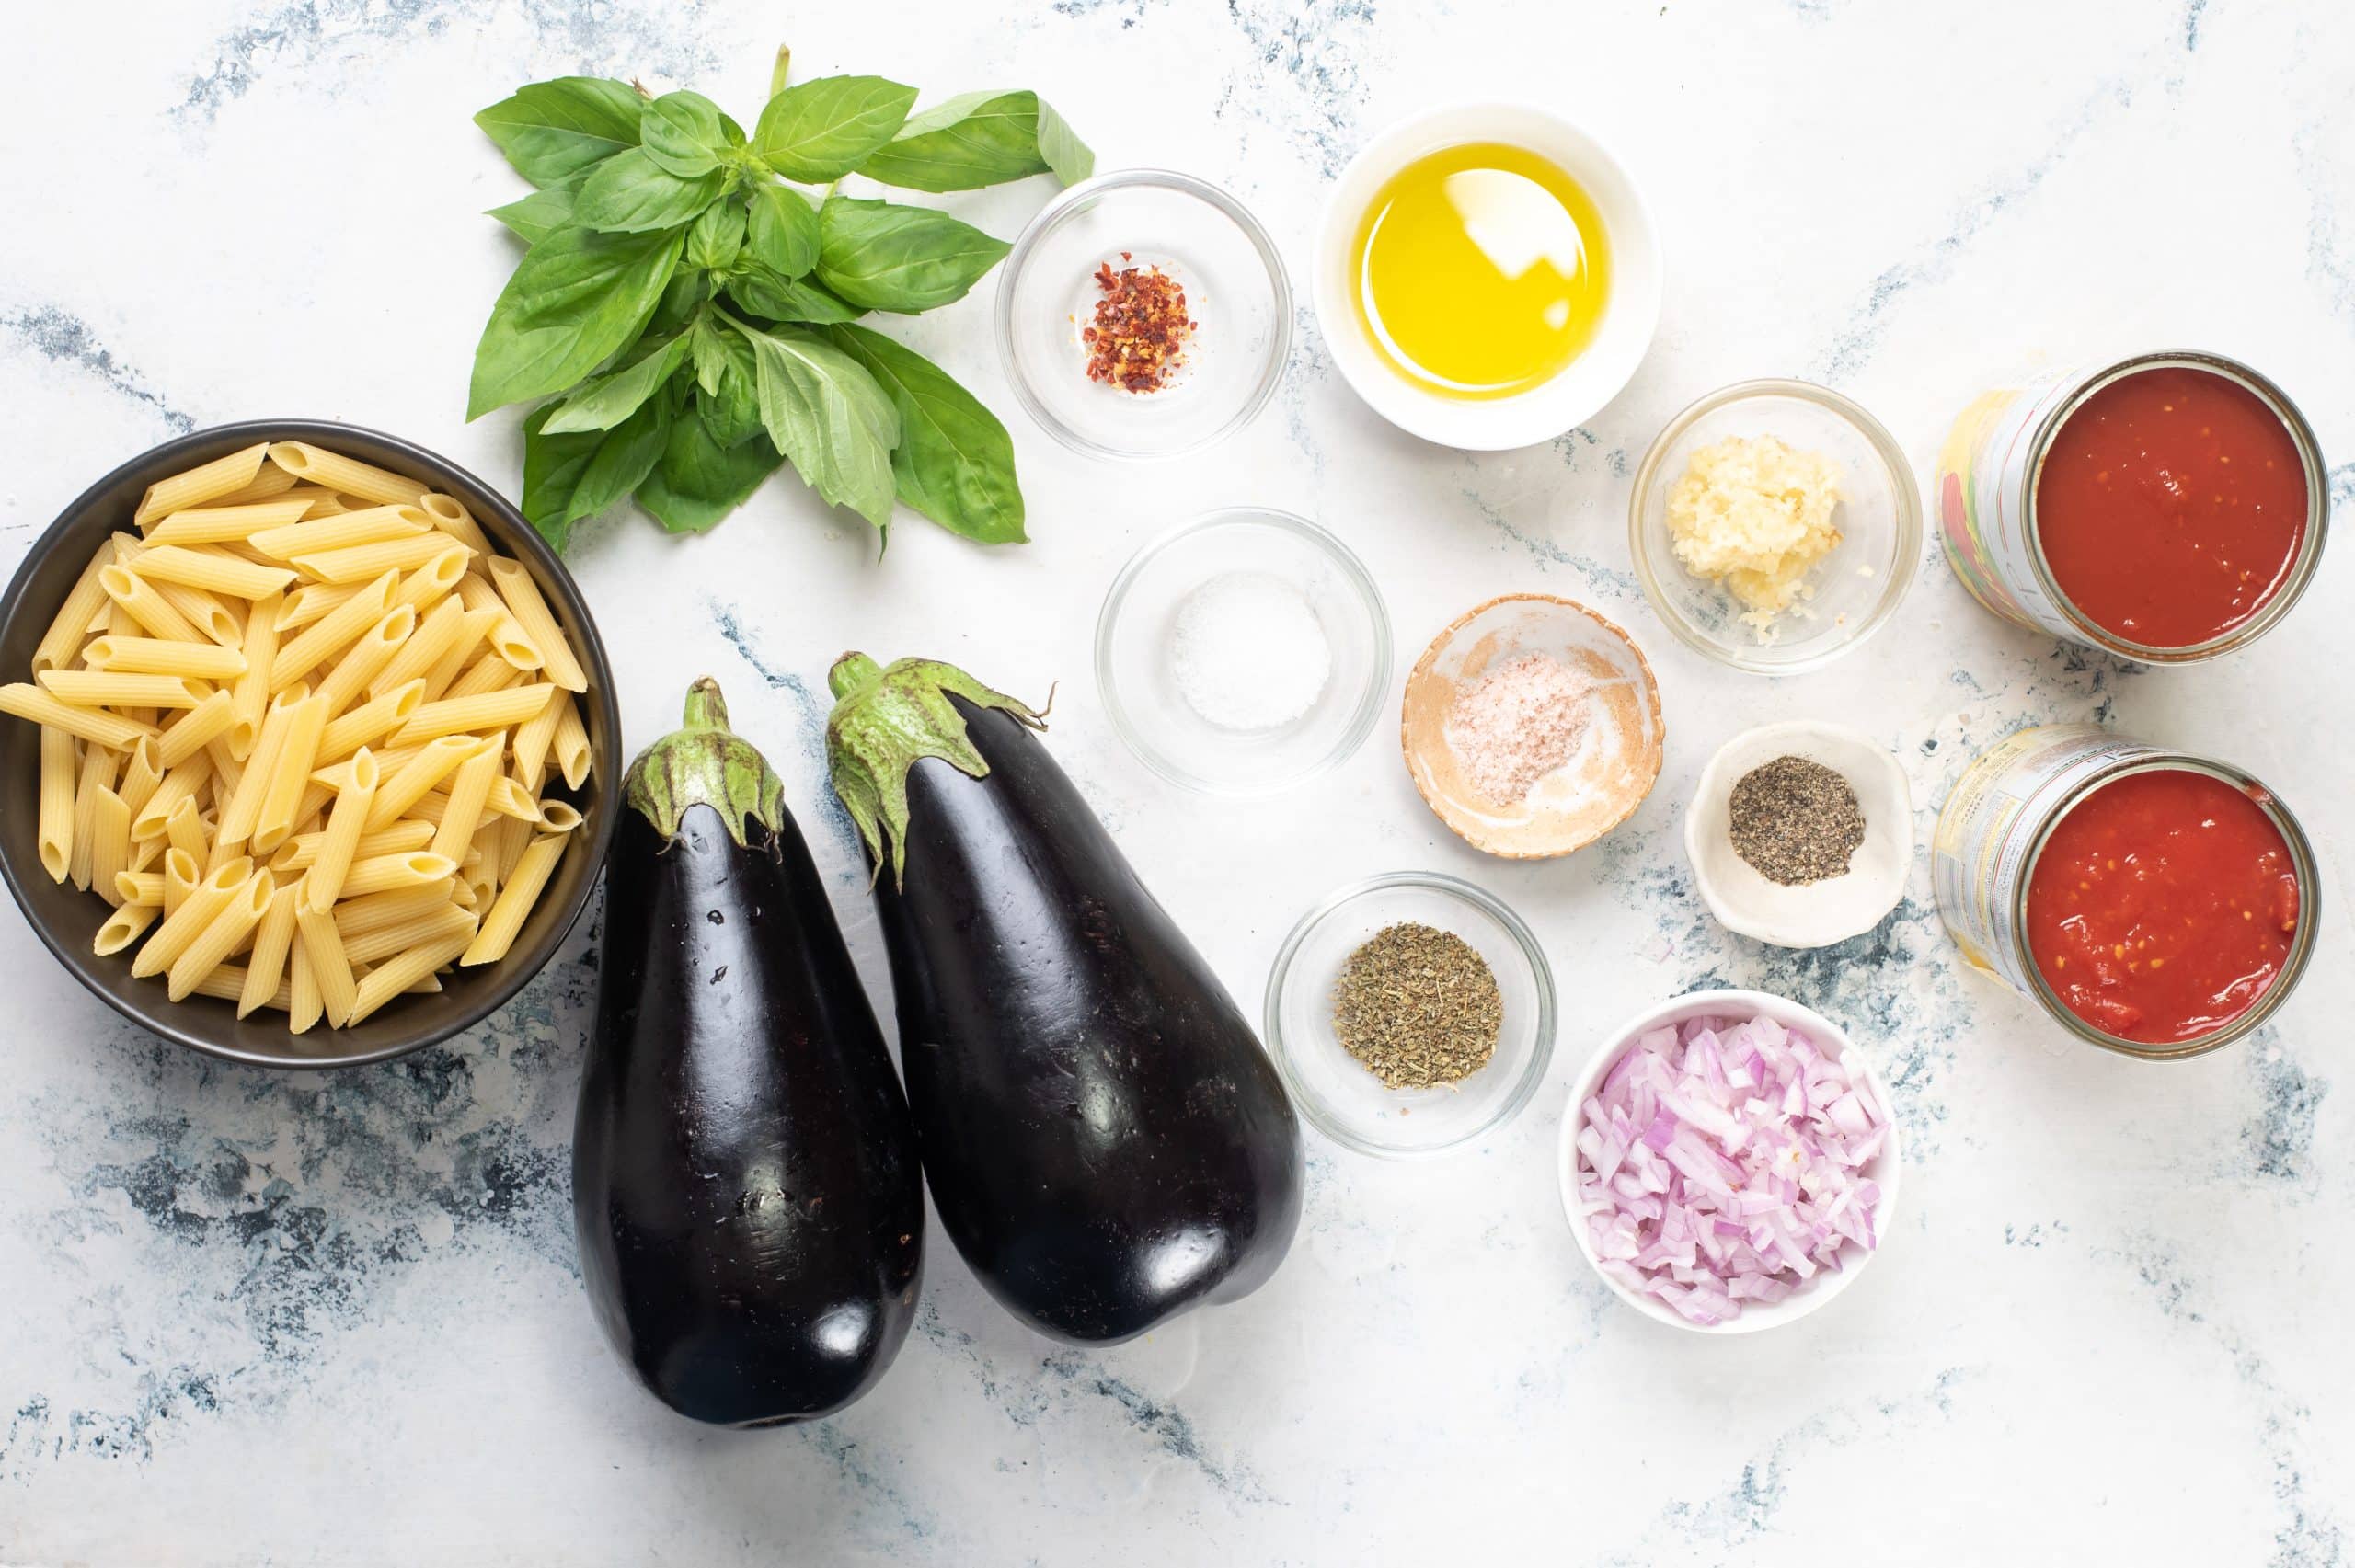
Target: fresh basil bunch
<point x="694" y="322"/>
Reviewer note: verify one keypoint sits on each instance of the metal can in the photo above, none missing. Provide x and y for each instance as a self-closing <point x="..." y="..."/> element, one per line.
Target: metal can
<point x="1994" y="824"/>
<point x="1985" y="488"/>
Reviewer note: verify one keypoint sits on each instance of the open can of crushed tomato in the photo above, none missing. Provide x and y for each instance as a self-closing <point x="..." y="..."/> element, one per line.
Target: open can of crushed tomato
<point x="2169" y="508"/>
<point x="2066" y="845"/>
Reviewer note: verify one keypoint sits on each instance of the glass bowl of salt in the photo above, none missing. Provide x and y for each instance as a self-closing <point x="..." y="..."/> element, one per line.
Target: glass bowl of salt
<point x="1243" y="652"/>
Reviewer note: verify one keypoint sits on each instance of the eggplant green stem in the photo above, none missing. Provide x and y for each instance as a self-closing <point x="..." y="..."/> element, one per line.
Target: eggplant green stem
<point x="888" y="719"/>
<point x="706" y="761"/>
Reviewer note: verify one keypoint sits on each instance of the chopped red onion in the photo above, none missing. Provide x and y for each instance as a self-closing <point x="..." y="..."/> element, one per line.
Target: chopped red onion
<point x="1721" y="1162"/>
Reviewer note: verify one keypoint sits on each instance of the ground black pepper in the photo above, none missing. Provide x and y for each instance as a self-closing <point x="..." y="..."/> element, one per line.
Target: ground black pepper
<point x="1418" y="1007"/>
<point x="1795" y="822"/>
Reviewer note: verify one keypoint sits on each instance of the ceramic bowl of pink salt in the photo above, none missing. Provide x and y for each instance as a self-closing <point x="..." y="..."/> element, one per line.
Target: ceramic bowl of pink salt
<point x="1532" y="726"/>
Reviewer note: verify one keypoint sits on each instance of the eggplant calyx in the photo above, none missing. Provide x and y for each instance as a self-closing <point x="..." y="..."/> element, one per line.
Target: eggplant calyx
<point x="704" y="760"/>
<point x="884" y="722"/>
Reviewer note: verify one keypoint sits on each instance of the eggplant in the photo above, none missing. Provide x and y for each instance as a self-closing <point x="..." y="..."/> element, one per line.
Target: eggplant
<point x="1107" y="1143"/>
<point x="745" y="1187"/>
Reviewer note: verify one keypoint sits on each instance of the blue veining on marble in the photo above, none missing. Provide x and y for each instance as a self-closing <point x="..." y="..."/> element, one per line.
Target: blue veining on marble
<point x="1854" y="345"/>
<point x="589" y="37"/>
<point x="2278" y="1141"/>
<point x="1307" y="56"/>
<point x="813" y="714"/>
<point x="2309" y="1534"/>
<point x="1168" y="1427"/>
<point x="63" y="338"/>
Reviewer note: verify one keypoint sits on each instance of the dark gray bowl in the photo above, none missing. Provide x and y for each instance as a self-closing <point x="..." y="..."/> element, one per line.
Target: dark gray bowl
<point x="68" y="919"/>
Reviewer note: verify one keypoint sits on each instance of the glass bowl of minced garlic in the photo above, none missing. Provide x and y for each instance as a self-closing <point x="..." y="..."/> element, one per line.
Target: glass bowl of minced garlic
<point x="1774" y="525"/>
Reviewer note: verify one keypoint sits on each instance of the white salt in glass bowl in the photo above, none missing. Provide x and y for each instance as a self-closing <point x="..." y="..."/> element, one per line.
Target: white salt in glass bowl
<point x="1136" y="673"/>
<point x="1815" y="914"/>
<point x="1883" y="1168"/>
<point x="1332" y="1089"/>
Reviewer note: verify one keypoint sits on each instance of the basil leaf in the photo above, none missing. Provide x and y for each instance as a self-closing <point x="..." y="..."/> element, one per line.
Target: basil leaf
<point x="819" y="130"/>
<point x="552" y="469"/>
<point x="954" y="462"/>
<point x="576" y="299"/>
<point x="782" y="229"/>
<point x="887" y="256"/>
<point x="607" y="401"/>
<point x="698" y="482"/>
<point x="682" y="134"/>
<point x="1068" y="157"/>
<point x="624" y="458"/>
<point x="686" y="290"/>
<point x="629" y="193"/>
<point x="765" y="291"/>
<point x="730" y="404"/>
<point x="823" y="410"/>
<point x="543" y="213"/>
<point x="716" y="237"/>
<point x="551" y="131"/>
<point x="981" y="139"/>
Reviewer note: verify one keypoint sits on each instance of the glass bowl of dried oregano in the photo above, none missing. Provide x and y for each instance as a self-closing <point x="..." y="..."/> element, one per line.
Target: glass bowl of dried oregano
<point x="1410" y="1014"/>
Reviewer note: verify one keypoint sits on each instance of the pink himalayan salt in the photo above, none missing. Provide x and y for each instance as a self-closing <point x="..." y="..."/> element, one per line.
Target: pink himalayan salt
<point x="1516" y="724"/>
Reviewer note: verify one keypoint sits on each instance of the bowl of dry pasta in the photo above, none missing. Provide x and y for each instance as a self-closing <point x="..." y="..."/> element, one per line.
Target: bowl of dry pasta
<point x="304" y="741"/>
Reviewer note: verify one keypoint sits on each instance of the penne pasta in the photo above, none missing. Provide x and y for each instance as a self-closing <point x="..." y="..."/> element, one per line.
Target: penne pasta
<point x="196" y="730"/>
<point x="450" y="515"/>
<point x="180" y="876"/>
<point x="214" y="574"/>
<point x="360" y="562"/>
<point x="438" y="922"/>
<point x="273" y="939"/>
<point x="341" y="530"/>
<point x="506" y="637"/>
<point x="94" y="725"/>
<point x="302" y="852"/>
<point x="123" y="927"/>
<point x="469" y="798"/>
<point x="571" y="742"/>
<point x="141" y="773"/>
<point x="305" y="1006"/>
<point x="290" y="773"/>
<point x="404" y="788"/>
<point x="317" y="465"/>
<point x="340" y="844"/>
<point x="433" y="581"/>
<point x="143" y="601"/>
<point x="58" y="781"/>
<point x="533" y="738"/>
<point x="271" y="480"/>
<point x="358" y="917"/>
<point x="198" y="607"/>
<point x="206" y="482"/>
<point x="97" y="772"/>
<point x="312" y="601"/>
<point x="95" y="688"/>
<point x="312" y="646"/>
<point x="242" y="813"/>
<point x="487" y="710"/>
<point x="396" y="974"/>
<point x="370" y="721"/>
<point x="139" y="887"/>
<point x="155" y="655"/>
<point x="322" y="947"/>
<point x="386" y="872"/>
<point x="517" y="894"/>
<point x="369" y="654"/>
<point x="530" y="609"/>
<point x="110" y="842"/>
<point x="87" y="599"/>
<point x="225" y="933"/>
<point x="430" y="639"/>
<point x="197" y="909"/>
<point x="185" y="832"/>
<point x="180" y="783"/>
<point x="560" y="816"/>
<point x="220" y="523"/>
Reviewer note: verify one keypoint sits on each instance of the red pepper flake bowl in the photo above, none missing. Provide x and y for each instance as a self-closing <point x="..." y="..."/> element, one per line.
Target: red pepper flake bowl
<point x="1143" y="315"/>
<point x="1880" y="1168"/>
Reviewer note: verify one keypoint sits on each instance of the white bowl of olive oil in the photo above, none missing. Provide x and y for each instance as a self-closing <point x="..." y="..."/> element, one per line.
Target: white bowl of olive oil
<point x="1486" y="276"/>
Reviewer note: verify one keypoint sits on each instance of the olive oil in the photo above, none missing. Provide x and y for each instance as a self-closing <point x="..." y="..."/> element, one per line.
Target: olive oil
<point x="1481" y="270"/>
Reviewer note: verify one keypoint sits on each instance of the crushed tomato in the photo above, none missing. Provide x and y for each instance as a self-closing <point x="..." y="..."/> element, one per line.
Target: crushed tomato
<point x="2163" y="906"/>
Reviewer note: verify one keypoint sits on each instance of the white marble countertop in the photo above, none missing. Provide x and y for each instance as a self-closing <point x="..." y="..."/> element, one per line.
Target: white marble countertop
<point x="249" y="1318"/>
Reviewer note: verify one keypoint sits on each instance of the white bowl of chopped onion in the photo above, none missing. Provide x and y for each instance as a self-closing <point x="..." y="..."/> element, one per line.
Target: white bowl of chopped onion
<point x="1728" y="1161"/>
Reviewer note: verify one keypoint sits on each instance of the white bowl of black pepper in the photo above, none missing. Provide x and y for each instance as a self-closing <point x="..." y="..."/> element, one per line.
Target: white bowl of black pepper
<point x="1410" y="1014"/>
<point x="1801" y="834"/>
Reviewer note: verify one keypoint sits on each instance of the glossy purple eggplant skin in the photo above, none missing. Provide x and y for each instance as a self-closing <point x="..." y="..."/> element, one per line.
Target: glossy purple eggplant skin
<point x="746" y="1184"/>
<point x="1107" y="1144"/>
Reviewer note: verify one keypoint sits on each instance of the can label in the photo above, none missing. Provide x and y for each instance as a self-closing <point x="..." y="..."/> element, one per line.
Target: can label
<point x="1984" y="484"/>
<point x="1990" y="822"/>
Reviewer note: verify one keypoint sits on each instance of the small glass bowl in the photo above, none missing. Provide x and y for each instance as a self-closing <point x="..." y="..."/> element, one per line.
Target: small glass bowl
<point x="1136" y="678"/>
<point x="1344" y="1101"/>
<point x="1857" y="587"/>
<point x="1234" y="288"/>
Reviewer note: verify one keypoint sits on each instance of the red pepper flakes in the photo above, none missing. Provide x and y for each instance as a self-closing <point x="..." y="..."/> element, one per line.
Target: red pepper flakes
<point x="1139" y="337"/>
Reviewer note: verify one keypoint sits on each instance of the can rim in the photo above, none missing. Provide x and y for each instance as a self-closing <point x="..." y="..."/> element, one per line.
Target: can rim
<point x="2302" y="945"/>
<point x="2303" y="565"/>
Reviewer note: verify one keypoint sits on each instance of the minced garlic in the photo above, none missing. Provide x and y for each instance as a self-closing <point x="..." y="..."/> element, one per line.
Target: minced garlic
<point x="1755" y="515"/>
